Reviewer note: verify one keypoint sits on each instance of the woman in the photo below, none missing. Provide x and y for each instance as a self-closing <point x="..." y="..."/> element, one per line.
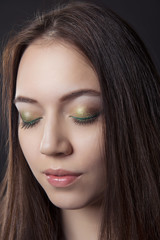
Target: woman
<point x="83" y="115"/>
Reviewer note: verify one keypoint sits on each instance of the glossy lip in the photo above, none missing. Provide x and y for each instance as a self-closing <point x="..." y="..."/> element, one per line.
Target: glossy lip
<point x="60" y="177"/>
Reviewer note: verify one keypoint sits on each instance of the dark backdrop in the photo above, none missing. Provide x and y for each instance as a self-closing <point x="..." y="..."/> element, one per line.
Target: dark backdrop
<point x="142" y="15"/>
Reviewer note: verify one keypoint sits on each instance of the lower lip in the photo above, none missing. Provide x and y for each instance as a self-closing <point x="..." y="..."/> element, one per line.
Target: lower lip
<point x="61" y="181"/>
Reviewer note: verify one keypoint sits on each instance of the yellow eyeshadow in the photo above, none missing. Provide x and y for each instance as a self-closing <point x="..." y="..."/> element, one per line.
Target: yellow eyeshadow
<point x="83" y="112"/>
<point x="28" y="116"/>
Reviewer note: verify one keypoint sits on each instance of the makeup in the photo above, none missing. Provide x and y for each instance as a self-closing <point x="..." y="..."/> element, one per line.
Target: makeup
<point x="61" y="178"/>
<point x="29" y="119"/>
<point x="84" y="115"/>
<point x="84" y="112"/>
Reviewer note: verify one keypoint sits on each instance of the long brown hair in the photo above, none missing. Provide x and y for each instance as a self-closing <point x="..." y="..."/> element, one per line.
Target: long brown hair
<point x="130" y="88"/>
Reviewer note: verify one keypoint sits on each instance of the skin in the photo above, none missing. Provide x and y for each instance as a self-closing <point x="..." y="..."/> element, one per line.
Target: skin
<point x="48" y="72"/>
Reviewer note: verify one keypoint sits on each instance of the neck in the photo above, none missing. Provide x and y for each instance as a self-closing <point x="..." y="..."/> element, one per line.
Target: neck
<point x="82" y="223"/>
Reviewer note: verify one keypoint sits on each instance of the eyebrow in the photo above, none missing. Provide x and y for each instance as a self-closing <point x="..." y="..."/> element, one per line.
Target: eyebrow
<point x="67" y="97"/>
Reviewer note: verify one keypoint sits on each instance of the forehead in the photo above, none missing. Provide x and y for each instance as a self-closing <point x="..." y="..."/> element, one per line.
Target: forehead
<point x="56" y="68"/>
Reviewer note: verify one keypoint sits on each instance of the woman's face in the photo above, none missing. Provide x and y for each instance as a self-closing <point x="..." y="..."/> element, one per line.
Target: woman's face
<point x="60" y="120"/>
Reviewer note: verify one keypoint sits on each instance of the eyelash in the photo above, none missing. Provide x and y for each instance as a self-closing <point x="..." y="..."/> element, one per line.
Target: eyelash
<point x="87" y="120"/>
<point x="31" y="124"/>
<point x="79" y="121"/>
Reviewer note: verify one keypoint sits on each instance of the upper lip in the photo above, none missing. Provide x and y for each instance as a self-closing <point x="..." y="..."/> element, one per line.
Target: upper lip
<point x="60" y="172"/>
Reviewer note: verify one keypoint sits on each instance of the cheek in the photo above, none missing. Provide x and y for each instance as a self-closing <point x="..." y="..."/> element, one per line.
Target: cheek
<point x="88" y="147"/>
<point x="29" y="146"/>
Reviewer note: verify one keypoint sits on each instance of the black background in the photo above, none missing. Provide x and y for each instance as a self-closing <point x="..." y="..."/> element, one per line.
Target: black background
<point x="142" y="15"/>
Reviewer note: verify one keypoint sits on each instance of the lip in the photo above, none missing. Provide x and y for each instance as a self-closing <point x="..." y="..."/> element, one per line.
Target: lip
<point x="60" y="177"/>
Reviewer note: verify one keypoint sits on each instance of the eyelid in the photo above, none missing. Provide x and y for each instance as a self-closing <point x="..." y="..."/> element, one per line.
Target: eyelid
<point x="28" y="116"/>
<point x="31" y="120"/>
<point x="85" y="118"/>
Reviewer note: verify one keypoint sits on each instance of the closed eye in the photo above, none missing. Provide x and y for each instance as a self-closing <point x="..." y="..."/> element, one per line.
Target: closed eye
<point x="29" y="124"/>
<point x="86" y="120"/>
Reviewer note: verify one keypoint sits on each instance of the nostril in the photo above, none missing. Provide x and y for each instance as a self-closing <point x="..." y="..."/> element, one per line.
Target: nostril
<point x="59" y="154"/>
<point x="56" y="146"/>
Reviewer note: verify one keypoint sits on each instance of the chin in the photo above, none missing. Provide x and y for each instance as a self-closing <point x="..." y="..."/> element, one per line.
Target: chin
<point x="70" y="202"/>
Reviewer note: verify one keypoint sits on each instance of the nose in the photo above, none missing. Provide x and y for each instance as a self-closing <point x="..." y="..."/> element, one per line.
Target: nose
<point x="55" y="142"/>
